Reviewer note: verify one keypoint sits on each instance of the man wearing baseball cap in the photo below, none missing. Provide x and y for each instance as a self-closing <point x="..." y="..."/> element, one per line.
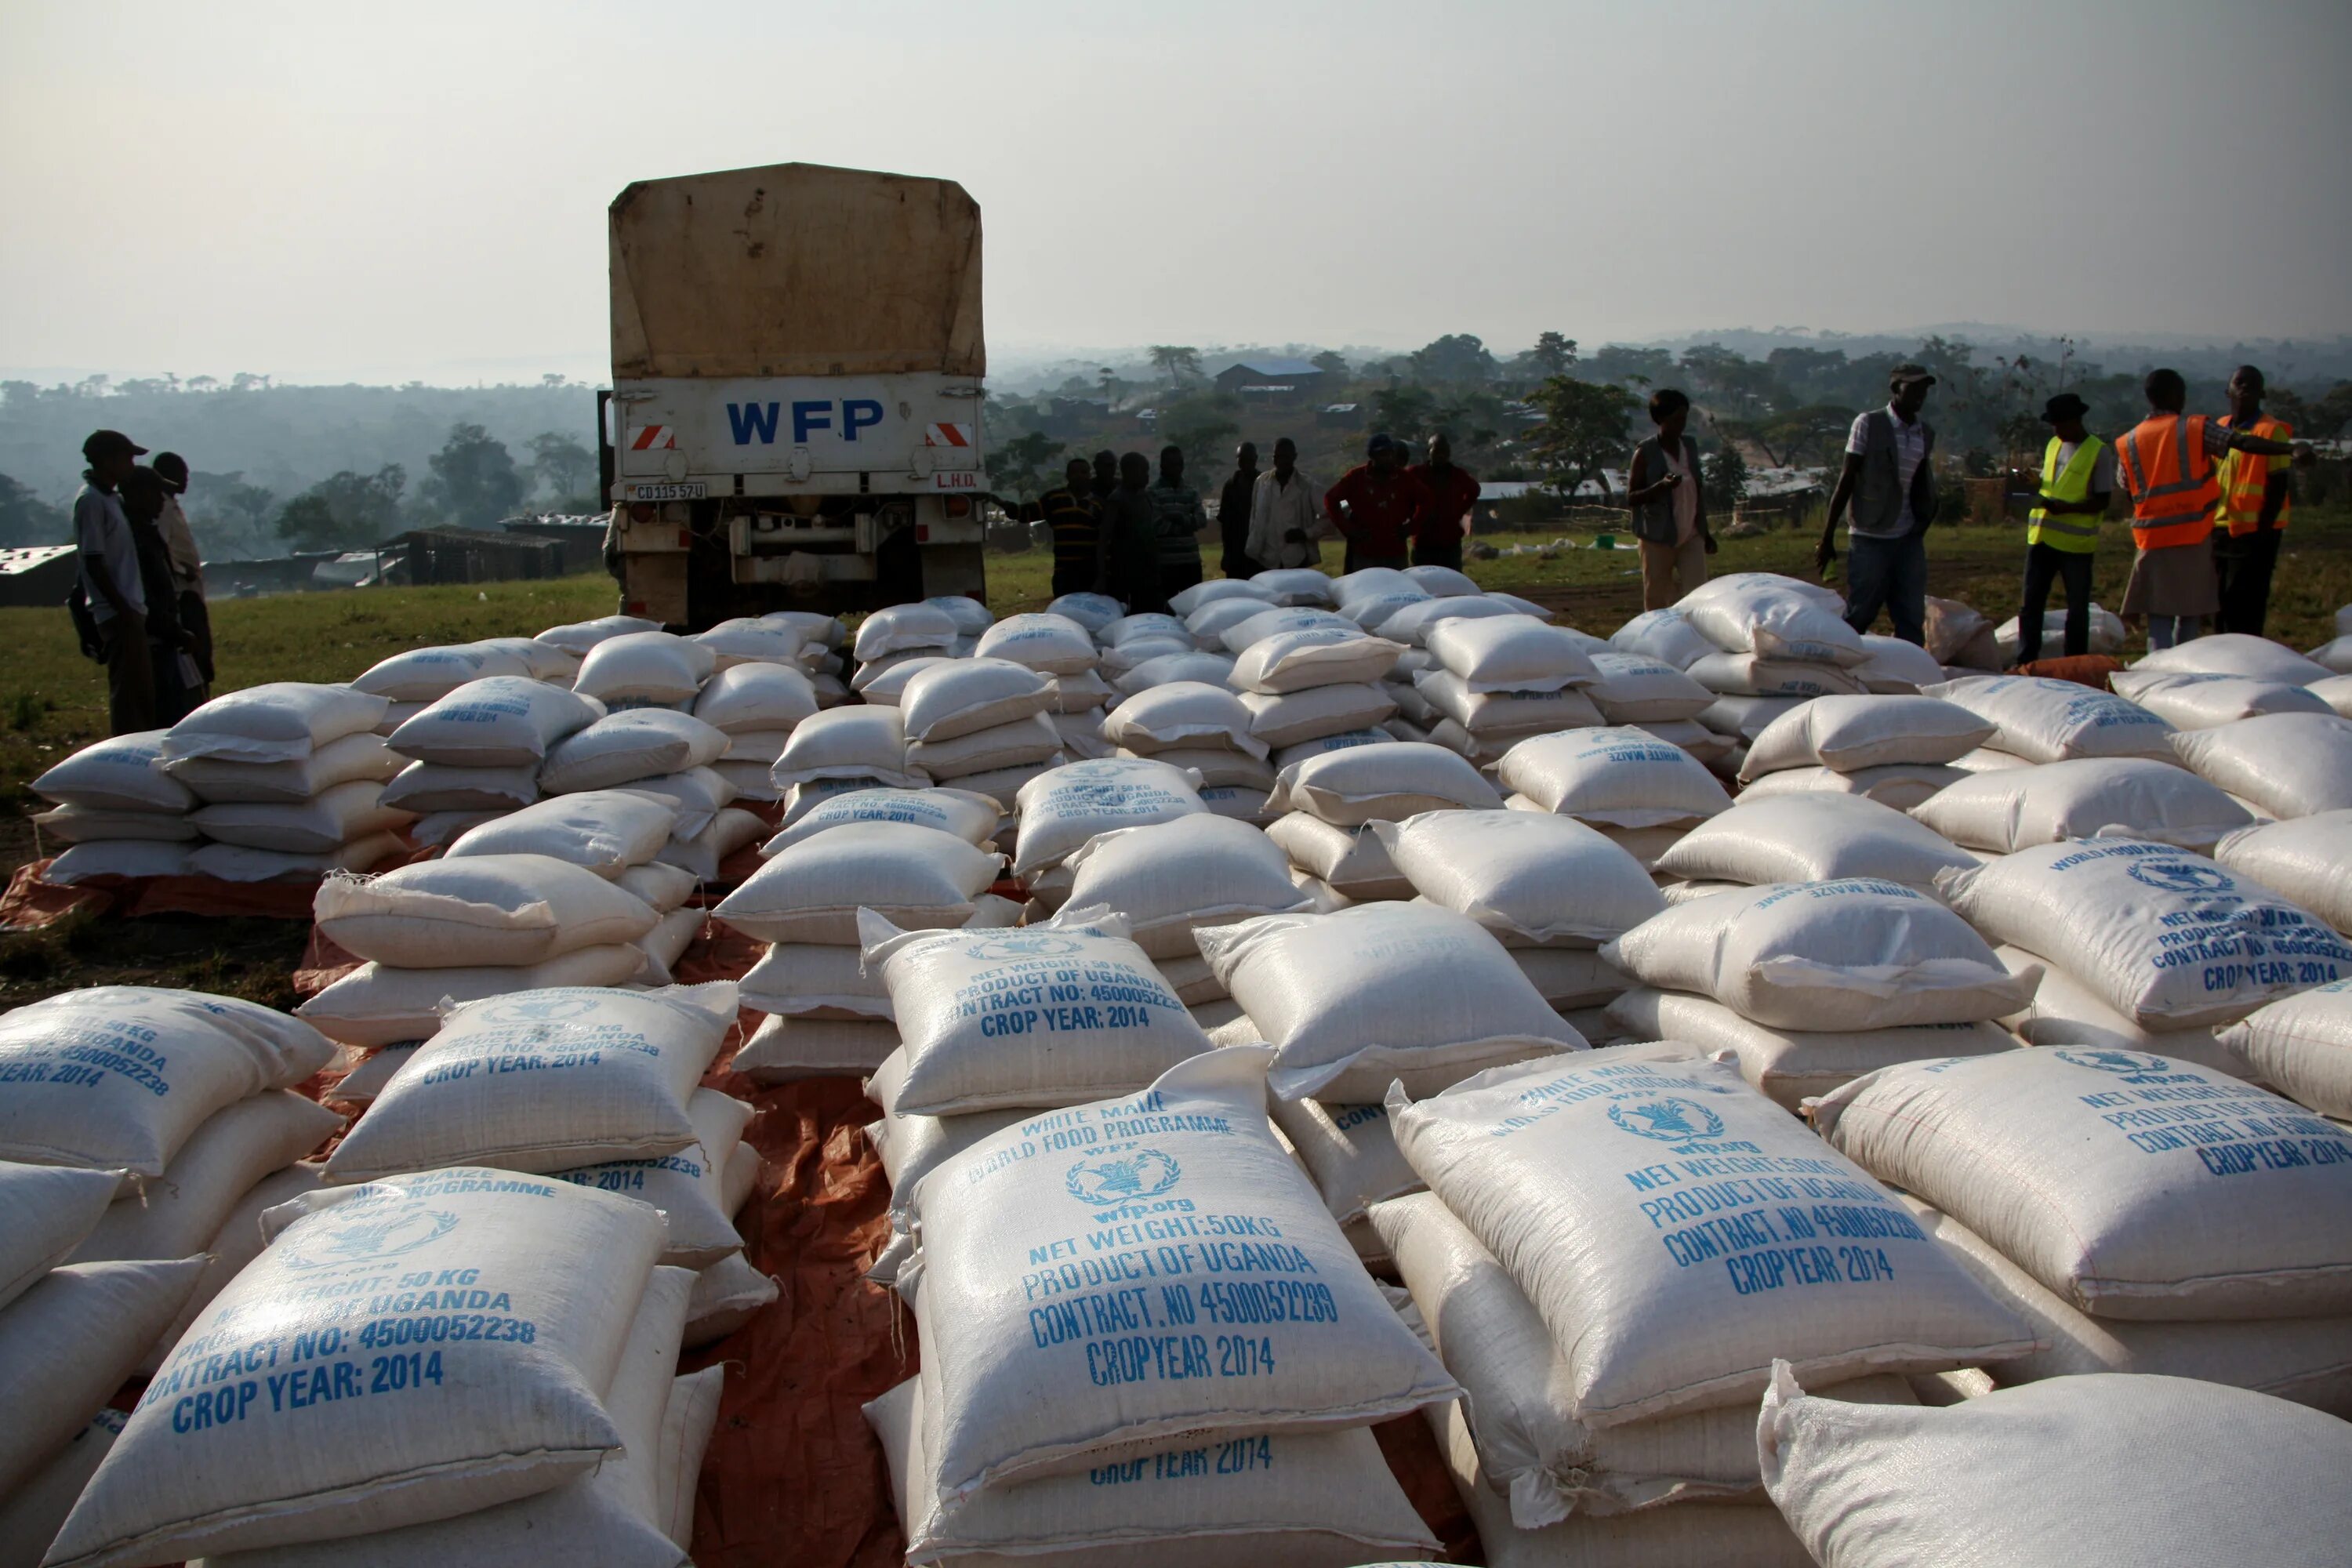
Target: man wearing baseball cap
<point x="2078" y="475"/>
<point x="110" y="585"/>
<point x="1890" y="483"/>
<point x="1377" y="507"/>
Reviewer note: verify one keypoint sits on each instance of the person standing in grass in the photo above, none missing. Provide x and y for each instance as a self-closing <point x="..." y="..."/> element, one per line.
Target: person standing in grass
<point x="1889" y="479"/>
<point x="1669" y="504"/>
<point x="2256" y="496"/>
<point x="1181" y="520"/>
<point x="174" y="673"/>
<point x="1072" y="511"/>
<point x="2169" y="464"/>
<point x="2078" y="475"/>
<point x="187" y="571"/>
<point x="1377" y="507"/>
<point x="110" y="589"/>
<point x="1284" y="521"/>
<point x="1437" y="539"/>
<point x="1234" y="516"/>
<point x="1130" y="568"/>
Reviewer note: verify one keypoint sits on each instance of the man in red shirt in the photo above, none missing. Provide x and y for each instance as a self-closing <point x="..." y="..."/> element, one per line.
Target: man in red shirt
<point x="1377" y="507"/>
<point x="1452" y="493"/>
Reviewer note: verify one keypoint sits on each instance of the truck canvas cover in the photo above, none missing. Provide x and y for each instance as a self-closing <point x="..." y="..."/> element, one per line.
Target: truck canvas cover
<point x="795" y="270"/>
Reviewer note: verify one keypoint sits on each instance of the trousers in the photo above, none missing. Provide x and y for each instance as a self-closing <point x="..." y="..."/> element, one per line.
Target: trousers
<point x="2246" y="562"/>
<point x="2045" y="563"/>
<point x="1670" y="571"/>
<point x="1889" y="574"/>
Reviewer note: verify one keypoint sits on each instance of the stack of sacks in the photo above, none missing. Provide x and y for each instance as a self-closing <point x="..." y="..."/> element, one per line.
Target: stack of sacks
<point x="1042" y="1427"/>
<point x="664" y="755"/>
<point x="468" y="927"/>
<point x="819" y="658"/>
<point x="2106" y="634"/>
<point x="1370" y="596"/>
<point x="2042" y="721"/>
<point x="1075" y="707"/>
<point x="118" y="812"/>
<point x="915" y="858"/>
<point x="482" y="1091"/>
<point x="1550" y="889"/>
<point x="1895" y="668"/>
<point x="2145" y="947"/>
<point x="645" y="670"/>
<point x="1614" y="1299"/>
<point x="2009" y="809"/>
<point x="1441" y="582"/>
<point x="980" y="723"/>
<point x="1810" y="985"/>
<point x="421" y="676"/>
<point x="897" y="632"/>
<point x="1651" y="694"/>
<point x="475" y="753"/>
<point x="1638" y="790"/>
<point x="2308" y="860"/>
<point x="1061" y="809"/>
<point x="542" y="1433"/>
<point x="970" y="616"/>
<point x="1172" y="878"/>
<point x="1774" y="637"/>
<point x="2300" y="1046"/>
<point x="1497" y="681"/>
<point x="1298" y="585"/>
<point x="2234" y="653"/>
<point x="1664" y="635"/>
<point x="1814" y="836"/>
<point x="1131" y="640"/>
<point x="2281" y="765"/>
<point x="751" y="640"/>
<point x="1894" y="750"/>
<point x="858" y="746"/>
<point x="885" y="689"/>
<point x="756" y="706"/>
<point x="1048" y="643"/>
<point x="1189" y="602"/>
<point x="1211" y="666"/>
<point x="1740" y="719"/>
<point x="1192" y="724"/>
<point x="1091" y="611"/>
<point x="135" y="1124"/>
<point x="2063" y="1473"/>
<point x="2145" y="1213"/>
<point x="1356" y="1000"/>
<point x="293" y="778"/>
<point x="575" y="638"/>
<point x="1329" y="797"/>
<point x="1306" y="686"/>
<point x="2192" y="701"/>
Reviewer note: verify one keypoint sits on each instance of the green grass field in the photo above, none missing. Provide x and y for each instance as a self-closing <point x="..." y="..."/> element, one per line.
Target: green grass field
<point x="53" y="700"/>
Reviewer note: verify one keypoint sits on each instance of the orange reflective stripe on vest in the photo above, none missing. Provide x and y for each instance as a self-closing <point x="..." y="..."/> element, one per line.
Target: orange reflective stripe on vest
<point x="2173" y="487"/>
<point x="2245" y="479"/>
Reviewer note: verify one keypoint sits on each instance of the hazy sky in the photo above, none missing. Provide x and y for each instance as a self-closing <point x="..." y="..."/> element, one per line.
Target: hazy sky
<point x="332" y="191"/>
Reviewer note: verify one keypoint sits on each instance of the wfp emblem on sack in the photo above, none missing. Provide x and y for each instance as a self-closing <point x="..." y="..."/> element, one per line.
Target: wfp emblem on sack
<point x="540" y="1008"/>
<point x="2181" y="877"/>
<point x="2127" y="1063"/>
<point x="365" y="1238"/>
<point x="1669" y="1120"/>
<point x="1021" y="946"/>
<point x="1122" y="1178"/>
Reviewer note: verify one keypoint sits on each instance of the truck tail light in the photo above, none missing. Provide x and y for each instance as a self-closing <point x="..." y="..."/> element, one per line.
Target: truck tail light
<point x="959" y="506"/>
<point x="922" y="534"/>
<point x="640" y="511"/>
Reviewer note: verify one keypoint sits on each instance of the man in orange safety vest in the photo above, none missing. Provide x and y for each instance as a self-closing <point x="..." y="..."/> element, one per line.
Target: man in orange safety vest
<point x="2170" y="466"/>
<point x="2256" y="496"/>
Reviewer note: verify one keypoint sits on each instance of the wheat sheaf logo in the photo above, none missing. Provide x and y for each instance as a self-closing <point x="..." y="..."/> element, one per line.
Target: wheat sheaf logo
<point x="2126" y="1062"/>
<point x="1671" y="1119"/>
<point x="2181" y="877"/>
<point x="364" y="1237"/>
<point x="1122" y="1178"/>
<point x="541" y="1009"/>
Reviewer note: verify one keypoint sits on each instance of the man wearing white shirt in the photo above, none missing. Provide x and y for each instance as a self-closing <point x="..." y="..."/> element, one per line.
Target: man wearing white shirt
<point x="1889" y="480"/>
<point x="187" y="570"/>
<point x="109" y="583"/>
<point x="1285" y="518"/>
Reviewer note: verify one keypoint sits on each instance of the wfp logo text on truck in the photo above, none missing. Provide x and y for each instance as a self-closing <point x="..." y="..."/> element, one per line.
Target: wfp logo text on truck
<point x="759" y="422"/>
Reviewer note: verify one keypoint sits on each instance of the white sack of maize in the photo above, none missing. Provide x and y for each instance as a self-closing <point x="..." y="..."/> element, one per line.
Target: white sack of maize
<point x="956" y="696"/>
<point x="1532" y="878"/>
<point x="1382" y="783"/>
<point x="1790" y="1065"/>
<point x="1635" y="689"/>
<point x="1816" y="837"/>
<point x="2307" y="858"/>
<point x="66" y="1344"/>
<point x="1051" y="644"/>
<point x="277" y="721"/>
<point x="603" y="831"/>
<point x="498" y="722"/>
<point x="1853" y="732"/>
<point x="1171" y="878"/>
<point x="2301" y="1045"/>
<point x="1062" y="809"/>
<point x="1352" y="860"/>
<point x="2010" y="809"/>
<point x="45" y="1212"/>
<point x="1613" y="778"/>
<point x="813" y="890"/>
<point x="2287" y="765"/>
<point x="635" y="744"/>
<point x="424" y="674"/>
<point x="745" y="698"/>
<point x="478" y="910"/>
<point x="971" y="817"/>
<point x="852" y="742"/>
<point x="2047" y="721"/>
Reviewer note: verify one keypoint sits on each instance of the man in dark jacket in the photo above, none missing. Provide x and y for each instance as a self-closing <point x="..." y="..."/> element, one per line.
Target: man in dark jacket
<point x="1453" y="491"/>
<point x="1071" y="510"/>
<point x="1130" y="539"/>
<point x="1377" y="507"/>
<point x="1234" y="515"/>
<point x="1889" y="480"/>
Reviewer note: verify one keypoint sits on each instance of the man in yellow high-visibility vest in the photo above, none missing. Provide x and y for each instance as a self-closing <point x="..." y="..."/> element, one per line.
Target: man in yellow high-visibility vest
<point x="2078" y="475"/>
<point x="2256" y="496"/>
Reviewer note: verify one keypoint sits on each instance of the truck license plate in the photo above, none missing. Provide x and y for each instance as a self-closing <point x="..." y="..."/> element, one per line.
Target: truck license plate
<point x="695" y="491"/>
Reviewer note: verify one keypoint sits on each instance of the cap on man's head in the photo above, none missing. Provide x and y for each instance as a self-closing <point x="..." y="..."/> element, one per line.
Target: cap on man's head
<point x="1907" y="374"/>
<point x="1381" y="441"/>
<point x="173" y="468"/>
<point x="2063" y="407"/>
<point x="110" y="444"/>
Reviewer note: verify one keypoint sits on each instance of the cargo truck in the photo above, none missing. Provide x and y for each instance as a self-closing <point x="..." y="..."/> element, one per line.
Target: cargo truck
<point x="795" y="420"/>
